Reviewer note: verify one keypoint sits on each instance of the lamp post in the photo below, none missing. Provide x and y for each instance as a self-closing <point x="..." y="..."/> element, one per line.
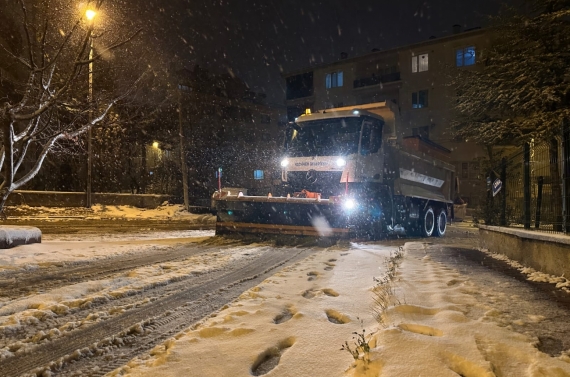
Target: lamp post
<point x="90" y="15"/>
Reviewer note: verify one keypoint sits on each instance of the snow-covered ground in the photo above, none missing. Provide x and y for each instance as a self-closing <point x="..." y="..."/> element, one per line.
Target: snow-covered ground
<point x="295" y="323"/>
<point x="99" y="211"/>
<point x="73" y="247"/>
<point x="76" y="248"/>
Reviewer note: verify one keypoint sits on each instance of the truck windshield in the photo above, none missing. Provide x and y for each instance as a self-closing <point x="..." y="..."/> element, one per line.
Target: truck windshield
<point x="327" y="137"/>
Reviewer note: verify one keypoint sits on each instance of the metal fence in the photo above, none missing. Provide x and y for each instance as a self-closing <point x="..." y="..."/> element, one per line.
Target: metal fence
<point x="528" y="188"/>
<point x="533" y="188"/>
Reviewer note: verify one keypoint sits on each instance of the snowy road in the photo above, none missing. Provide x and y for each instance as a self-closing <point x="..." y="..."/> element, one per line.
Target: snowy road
<point x="20" y="283"/>
<point x="130" y="303"/>
<point x="184" y="303"/>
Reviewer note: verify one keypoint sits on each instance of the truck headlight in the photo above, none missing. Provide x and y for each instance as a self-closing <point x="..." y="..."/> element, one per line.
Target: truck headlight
<point x="284" y="163"/>
<point x="340" y="162"/>
<point x="349" y="204"/>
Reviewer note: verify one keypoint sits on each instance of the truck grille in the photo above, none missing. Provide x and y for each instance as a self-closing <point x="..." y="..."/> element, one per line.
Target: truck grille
<point x="327" y="183"/>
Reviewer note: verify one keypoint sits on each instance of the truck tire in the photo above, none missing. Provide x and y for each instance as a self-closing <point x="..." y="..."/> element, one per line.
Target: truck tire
<point x="427" y="223"/>
<point x="440" y="223"/>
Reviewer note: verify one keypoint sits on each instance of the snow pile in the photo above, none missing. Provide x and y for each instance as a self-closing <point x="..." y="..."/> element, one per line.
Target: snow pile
<point x="11" y="236"/>
<point x="128" y="212"/>
<point x="560" y="282"/>
<point x="99" y="211"/>
<point x="295" y="322"/>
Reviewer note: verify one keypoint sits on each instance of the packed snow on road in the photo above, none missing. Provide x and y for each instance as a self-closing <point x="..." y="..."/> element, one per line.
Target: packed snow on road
<point x="394" y="310"/>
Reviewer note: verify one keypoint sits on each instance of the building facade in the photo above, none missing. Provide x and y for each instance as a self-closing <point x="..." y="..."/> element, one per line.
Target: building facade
<point x="415" y="79"/>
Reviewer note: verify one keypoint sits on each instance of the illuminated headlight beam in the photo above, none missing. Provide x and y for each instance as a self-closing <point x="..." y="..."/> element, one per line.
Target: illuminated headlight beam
<point x="349" y="204"/>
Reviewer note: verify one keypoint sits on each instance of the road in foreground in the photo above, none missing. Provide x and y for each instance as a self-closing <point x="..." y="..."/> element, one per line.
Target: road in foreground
<point x="215" y="307"/>
<point x="95" y="316"/>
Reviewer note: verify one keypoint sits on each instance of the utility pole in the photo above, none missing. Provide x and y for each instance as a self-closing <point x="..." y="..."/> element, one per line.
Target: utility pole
<point x="182" y="149"/>
<point x="89" y="132"/>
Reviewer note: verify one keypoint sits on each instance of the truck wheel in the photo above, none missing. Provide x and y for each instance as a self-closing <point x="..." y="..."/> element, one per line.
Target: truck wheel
<point x="440" y="223"/>
<point x="428" y="223"/>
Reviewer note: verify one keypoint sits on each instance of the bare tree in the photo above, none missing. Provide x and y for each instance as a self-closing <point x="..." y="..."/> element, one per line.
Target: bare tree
<point x="51" y="105"/>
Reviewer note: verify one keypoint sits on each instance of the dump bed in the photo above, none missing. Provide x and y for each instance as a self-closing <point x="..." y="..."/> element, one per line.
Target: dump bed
<point x="418" y="174"/>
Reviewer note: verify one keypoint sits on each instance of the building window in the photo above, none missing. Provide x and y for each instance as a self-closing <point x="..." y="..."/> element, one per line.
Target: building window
<point x="299" y="86"/>
<point x="465" y="56"/>
<point x="465" y="170"/>
<point x="334" y="80"/>
<point x="420" y="63"/>
<point x="422" y="132"/>
<point x="474" y="170"/>
<point x="420" y="99"/>
<point x="470" y="170"/>
<point x="258" y="174"/>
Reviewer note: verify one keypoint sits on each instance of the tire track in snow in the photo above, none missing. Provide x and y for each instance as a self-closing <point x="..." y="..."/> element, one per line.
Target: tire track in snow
<point x="22" y="283"/>
<point x="113" y="304"/>
<point x="163" y="318"/>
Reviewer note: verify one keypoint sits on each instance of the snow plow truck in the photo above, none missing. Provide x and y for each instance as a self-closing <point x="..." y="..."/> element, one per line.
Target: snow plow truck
<point x="345" y="176"/>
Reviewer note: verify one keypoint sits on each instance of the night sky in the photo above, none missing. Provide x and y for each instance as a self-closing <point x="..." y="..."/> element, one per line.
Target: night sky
<point x="258" y="40"/>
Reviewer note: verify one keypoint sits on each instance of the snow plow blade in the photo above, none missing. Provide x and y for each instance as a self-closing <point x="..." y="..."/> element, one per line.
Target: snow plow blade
<point x="239" y="214"/>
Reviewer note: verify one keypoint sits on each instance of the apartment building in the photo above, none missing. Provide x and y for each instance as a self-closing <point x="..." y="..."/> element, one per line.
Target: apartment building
<point x="414" y="78"/>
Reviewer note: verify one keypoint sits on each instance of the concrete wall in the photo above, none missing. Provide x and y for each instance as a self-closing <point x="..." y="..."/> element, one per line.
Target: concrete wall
<point x="77" y="199"/>
<point x="548" y="253"/>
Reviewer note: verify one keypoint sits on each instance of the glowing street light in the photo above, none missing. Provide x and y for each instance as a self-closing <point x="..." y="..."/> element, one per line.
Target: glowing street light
<point x="90" y="14"/>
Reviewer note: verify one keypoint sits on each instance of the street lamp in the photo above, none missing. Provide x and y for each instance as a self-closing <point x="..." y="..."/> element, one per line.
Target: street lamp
<point x="90" y="15"/>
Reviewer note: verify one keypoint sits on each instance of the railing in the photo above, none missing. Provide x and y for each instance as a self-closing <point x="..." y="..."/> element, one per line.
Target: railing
<point x="531" y="194"/>
<point x="375" y="80"/>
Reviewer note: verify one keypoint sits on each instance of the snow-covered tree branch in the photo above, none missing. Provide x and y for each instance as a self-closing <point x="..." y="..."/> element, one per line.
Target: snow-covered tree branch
<point x="49" y="103"/>
<point x="522" y="89"/>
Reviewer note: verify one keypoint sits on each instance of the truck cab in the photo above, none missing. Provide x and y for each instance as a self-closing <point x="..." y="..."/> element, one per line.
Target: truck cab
<point x="327" y="151"/>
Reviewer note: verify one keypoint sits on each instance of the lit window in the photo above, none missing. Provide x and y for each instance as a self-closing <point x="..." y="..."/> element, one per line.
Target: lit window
<point x="420" y="63"/>
<point x="258" y="174"/>
<point x="420" y="99"/>
<point x="334" y="80"/>
<point x="465" y="56"/>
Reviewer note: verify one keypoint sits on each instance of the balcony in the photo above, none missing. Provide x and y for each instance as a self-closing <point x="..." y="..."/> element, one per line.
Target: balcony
<point x="376" y="80"/>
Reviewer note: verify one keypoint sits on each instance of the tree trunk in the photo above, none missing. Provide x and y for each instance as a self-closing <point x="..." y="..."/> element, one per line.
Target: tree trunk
<point x="5" y="194"/>
<point x="8" y="164"/>
<point x="144" y="170"/>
